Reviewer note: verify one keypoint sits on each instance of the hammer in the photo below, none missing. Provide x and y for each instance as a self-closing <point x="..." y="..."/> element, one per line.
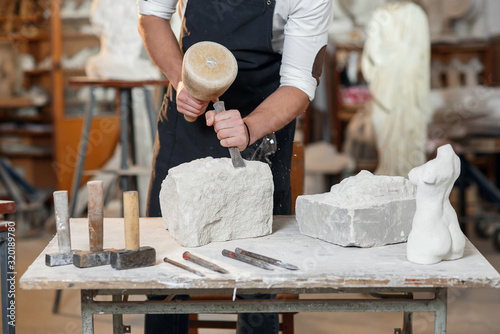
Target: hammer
<point x="97" y="256"/>
<point x="208" y="69"/>
<point x="133" y="256"/>
<point x="65" y="255"/>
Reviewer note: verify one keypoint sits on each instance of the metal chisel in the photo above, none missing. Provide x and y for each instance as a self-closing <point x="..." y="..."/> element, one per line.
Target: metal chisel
<point x="236" y="158"/>
<point x="180" y="265"/>
<point x="269" y="260"/>
<point x="246" y="259"/>
<point x="204" y="263"/>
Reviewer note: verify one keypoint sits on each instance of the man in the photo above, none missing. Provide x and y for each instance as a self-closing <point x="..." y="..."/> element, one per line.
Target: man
<point x="279" y="46"/>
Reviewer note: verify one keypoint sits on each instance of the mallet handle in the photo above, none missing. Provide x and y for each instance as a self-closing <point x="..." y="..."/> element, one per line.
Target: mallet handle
<point x="190" y="119"/>
<point x="62" y="221"/>
<point x="131" y="217"/>
<point x="95" y="190"/>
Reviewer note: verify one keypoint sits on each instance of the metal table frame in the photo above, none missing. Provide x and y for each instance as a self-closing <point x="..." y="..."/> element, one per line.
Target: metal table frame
<point x="387" y="302"/>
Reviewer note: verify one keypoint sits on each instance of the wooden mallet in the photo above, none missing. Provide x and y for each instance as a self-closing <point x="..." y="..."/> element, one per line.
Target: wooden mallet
<point x="97" y="256"/>
<point x="133" y="256"/>
<point x="208" y="69"/>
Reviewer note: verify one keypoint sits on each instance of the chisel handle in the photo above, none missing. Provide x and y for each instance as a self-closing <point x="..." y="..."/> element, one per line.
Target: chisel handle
<point x="131" y="218"/>
<point x="95" y="191"/>
<point x="62" y="220"/>
<point x="190" y="118"/>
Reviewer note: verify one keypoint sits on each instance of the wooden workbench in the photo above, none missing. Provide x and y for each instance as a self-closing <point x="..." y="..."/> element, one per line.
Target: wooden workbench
<point x="324" y="268"/>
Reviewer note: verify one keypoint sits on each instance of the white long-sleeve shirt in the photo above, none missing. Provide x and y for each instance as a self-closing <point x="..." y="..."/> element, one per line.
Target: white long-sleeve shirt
<point x="300" y="30"/>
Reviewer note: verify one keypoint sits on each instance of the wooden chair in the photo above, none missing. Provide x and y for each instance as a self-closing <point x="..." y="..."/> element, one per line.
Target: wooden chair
<point x="286" y="323"/>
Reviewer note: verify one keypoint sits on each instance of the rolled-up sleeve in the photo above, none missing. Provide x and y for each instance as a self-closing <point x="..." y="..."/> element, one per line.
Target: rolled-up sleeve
<point x="306" y="35"/>
<point x="160" y="8"/>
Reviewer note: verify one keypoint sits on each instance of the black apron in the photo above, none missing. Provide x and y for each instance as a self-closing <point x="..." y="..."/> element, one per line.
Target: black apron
<point x="245" y="28"/>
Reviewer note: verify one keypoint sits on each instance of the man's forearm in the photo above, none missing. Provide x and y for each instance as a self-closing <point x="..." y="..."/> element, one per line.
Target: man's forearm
<point x="279" y="109"/>
<point x="162" y="46"/>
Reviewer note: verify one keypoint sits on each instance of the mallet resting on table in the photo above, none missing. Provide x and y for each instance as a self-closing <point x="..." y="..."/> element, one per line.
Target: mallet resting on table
<point x="133" y="256"/>
<point x="97" y="256"/>
<point x="65" y="255"/>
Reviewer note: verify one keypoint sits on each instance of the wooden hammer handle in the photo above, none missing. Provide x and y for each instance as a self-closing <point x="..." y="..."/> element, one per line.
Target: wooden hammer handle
<point x="190" y="119"/>
<point x="131" y="217"/>
<point x="95" y="191"/>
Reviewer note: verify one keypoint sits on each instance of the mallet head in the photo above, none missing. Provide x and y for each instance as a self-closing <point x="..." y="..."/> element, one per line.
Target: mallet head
<point x="129" y="259"/>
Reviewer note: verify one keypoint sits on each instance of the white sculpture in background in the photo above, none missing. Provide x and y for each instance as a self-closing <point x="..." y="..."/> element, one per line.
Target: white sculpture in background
<point x="395" y="63"/>
<point x="122" y="55"/>
<point x="456" y="20"/>
<point x="435" y="233"/>
<point x="350" y="18"/>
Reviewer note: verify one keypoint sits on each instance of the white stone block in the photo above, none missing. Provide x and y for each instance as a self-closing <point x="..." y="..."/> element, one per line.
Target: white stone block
<point x="209" y="200"/>
<point x="363" y="210"/>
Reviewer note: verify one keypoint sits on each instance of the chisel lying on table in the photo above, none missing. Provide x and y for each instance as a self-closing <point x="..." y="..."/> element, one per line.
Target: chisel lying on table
<point x="269" y="260"/>
<point x="246" y="259"/>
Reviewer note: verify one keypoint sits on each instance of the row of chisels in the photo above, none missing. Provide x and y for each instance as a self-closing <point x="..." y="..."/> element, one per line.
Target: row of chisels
<point x="133" y="256"/>
<point x="239" y="254"/>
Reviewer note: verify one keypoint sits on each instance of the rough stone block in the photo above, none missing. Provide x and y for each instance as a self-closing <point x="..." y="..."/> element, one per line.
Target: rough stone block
<point x="209" y="200"/>
<point x="363" y="210"/>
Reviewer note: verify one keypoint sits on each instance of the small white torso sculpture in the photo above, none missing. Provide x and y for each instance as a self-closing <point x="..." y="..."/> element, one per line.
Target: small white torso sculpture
<point x="395" y="63"/>
<point x="122" y="55"/>
<point x="435" y="233"/>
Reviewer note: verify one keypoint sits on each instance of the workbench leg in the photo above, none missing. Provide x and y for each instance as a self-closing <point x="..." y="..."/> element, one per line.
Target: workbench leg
<point x="87" y="315"/>
<point x="152" y="115"/>
<point x="124" y="115"/>
<point x="82" y="152"/>
<point x="118" y="326"/>
<point x="440" y="315"/>
<point x="407" y="323"/>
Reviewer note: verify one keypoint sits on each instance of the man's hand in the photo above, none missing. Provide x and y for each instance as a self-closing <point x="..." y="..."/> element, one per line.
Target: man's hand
<point x="230" y="128"/>
<point x="188" y="105"/>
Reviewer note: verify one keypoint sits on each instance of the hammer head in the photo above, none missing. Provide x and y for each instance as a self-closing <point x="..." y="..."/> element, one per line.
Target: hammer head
<point x="91" y="259"/>
<point x="129" y="259"/>
<point x="59" y="259"/>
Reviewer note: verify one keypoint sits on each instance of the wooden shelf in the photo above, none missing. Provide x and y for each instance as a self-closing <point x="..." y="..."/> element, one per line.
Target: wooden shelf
<point x="23" y="19"/>
<point x="37" y="72"/>
<point x="26" y="132"/>
<point x="75" y="35"/>
<point x="16" y="102"/>
<point x="17" y="37"/>
<point x="27" y="155"/>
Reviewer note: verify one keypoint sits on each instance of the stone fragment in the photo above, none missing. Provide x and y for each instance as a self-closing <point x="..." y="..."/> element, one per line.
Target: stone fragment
<point x="209" y="200"/>
<point x="363" y="210"/>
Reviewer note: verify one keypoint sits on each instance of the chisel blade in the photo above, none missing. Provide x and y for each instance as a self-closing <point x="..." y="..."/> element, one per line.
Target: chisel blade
<point x="267" y="259"/>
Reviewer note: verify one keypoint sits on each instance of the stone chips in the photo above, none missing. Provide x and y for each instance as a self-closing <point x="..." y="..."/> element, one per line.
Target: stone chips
<point x="363" y="210"/>
<point x="209" y="200"/>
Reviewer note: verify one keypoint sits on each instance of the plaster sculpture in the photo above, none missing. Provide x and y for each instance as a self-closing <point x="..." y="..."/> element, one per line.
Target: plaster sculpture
<point x="395" y="63"/>
<point x="456" y="20"/>
<point x="435" y="234"/>
<point x="363" y="210"/>
<point x="209" y="200"/>
<point x="350" y="18"/>
<point x="122" y="55"/>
